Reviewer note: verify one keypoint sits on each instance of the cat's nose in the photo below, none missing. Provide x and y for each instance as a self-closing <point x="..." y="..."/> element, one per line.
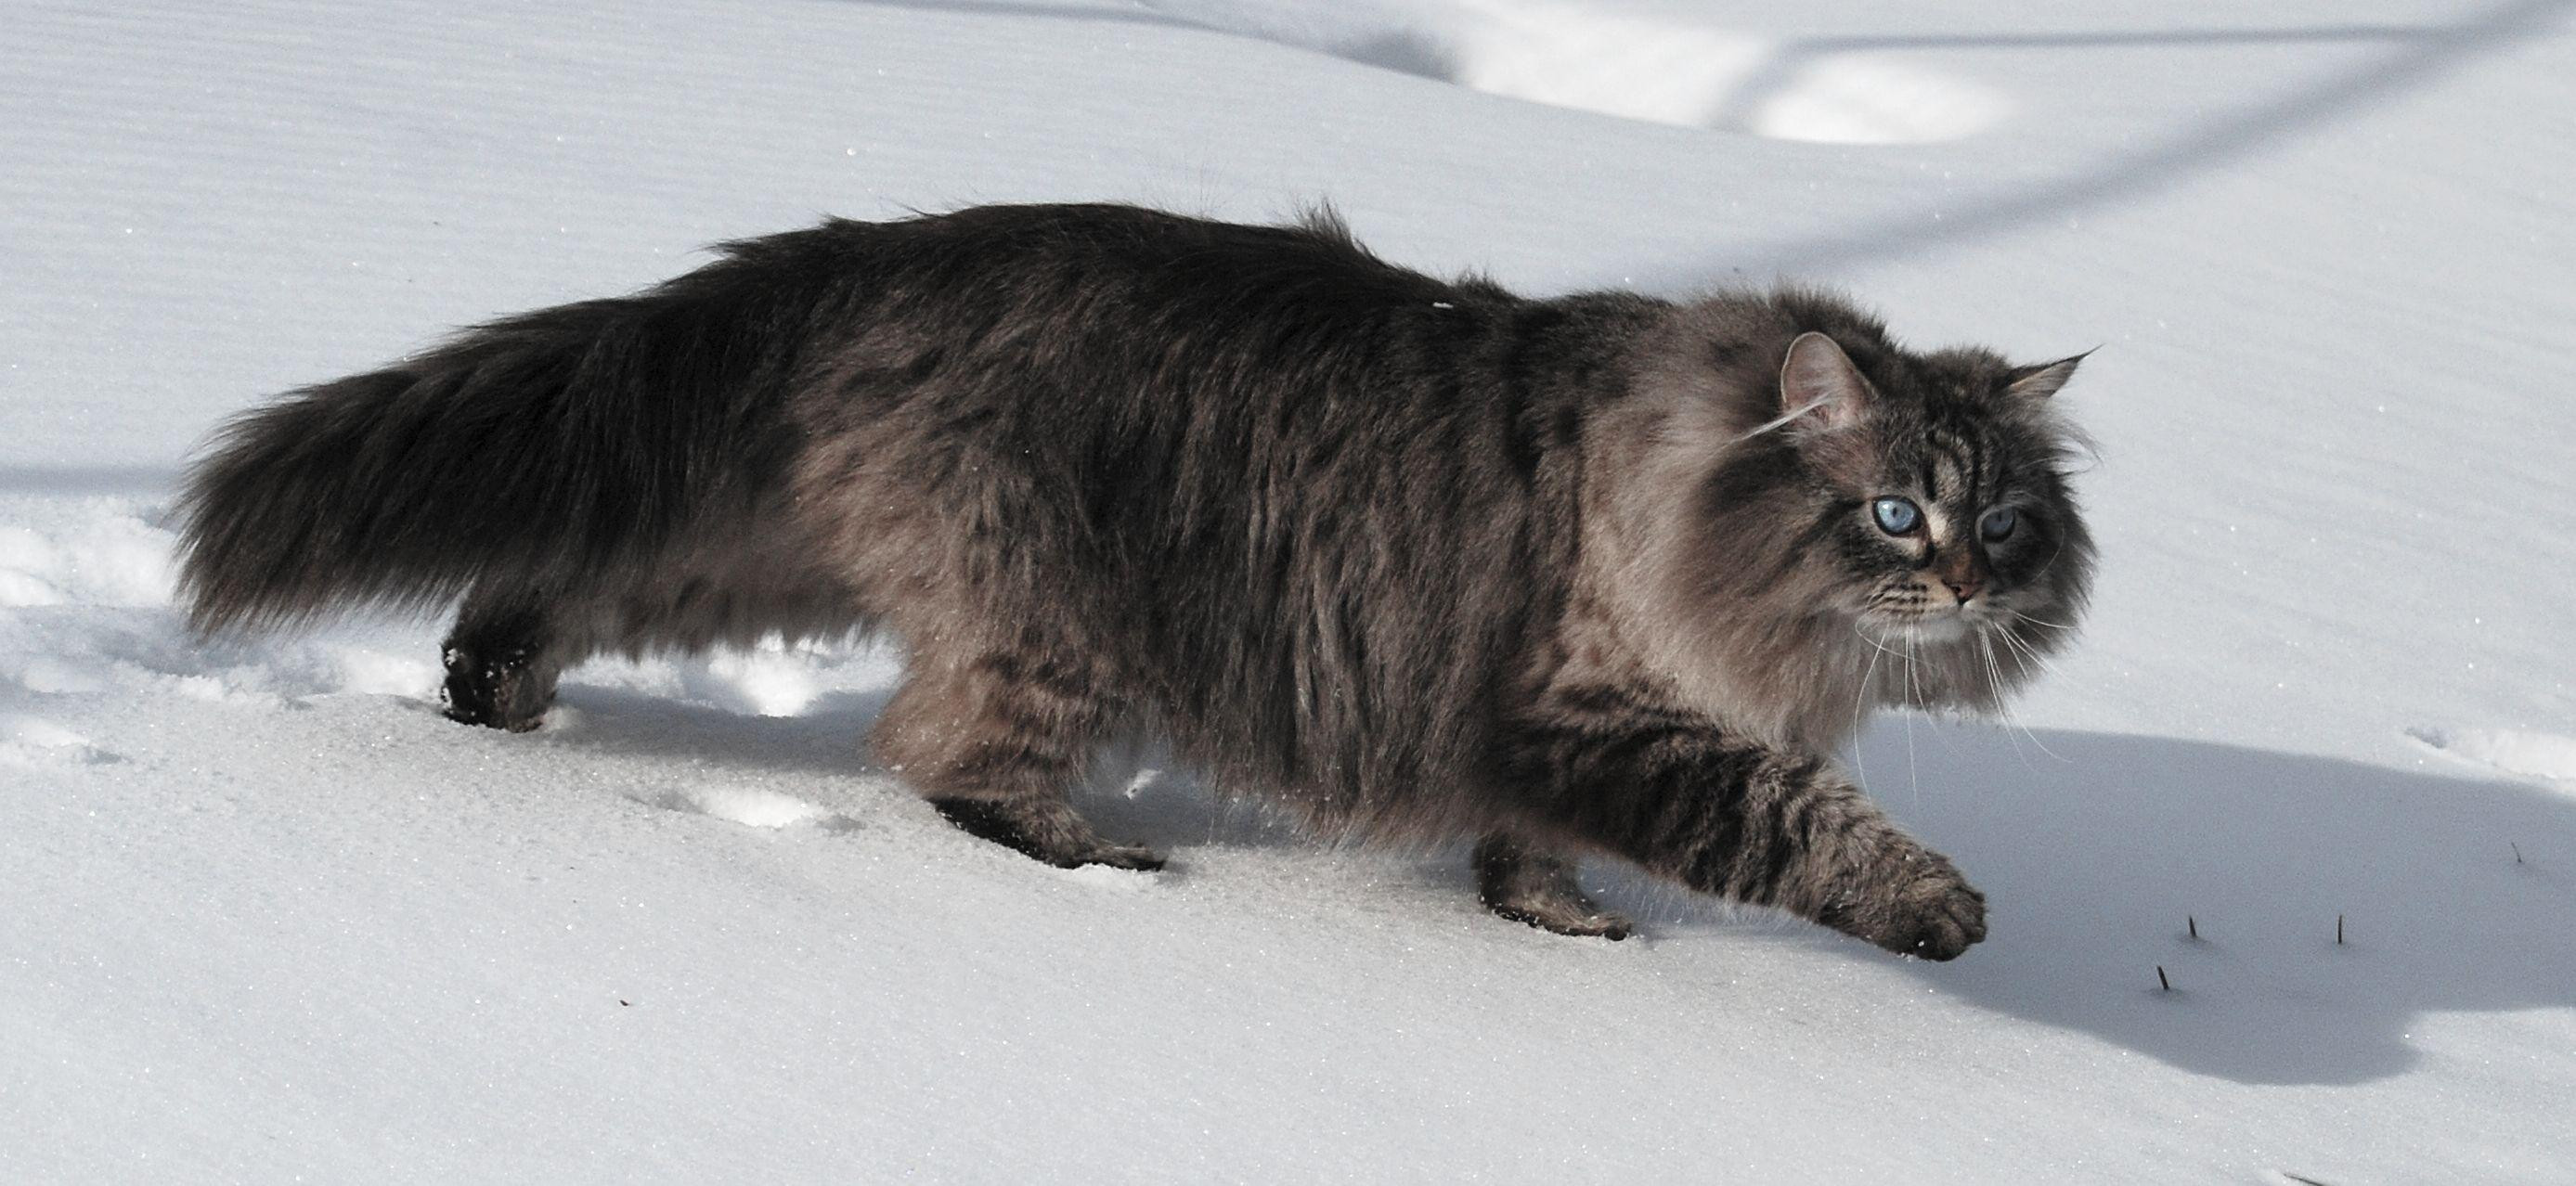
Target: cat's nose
<point x="1963" y="588"/>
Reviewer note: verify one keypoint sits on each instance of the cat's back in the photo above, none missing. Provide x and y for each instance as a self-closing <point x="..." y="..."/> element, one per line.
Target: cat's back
<point x="1099" y="272"/>
<point x="1095" y="349"/>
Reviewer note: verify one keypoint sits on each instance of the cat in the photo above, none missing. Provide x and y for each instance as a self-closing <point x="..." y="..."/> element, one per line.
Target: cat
<point x="1414" y="559"/>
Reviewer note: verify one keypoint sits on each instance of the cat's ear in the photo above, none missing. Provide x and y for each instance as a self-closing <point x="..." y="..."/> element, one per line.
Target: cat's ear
<point x="1820" y="386"/>
<point x="2043" y="380"/>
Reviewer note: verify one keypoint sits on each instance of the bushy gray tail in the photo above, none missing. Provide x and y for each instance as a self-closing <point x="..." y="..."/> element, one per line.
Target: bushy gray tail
<point x="549" y="452"/>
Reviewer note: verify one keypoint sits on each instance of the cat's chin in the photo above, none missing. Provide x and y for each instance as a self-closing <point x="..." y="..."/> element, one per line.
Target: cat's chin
<point x="1920" y="630"/>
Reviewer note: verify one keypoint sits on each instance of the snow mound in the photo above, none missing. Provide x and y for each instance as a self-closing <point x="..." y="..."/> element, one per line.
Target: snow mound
<point x="1635" y="66"/>
<point x="114" y="557"/>
<point x="2514" y="751"/>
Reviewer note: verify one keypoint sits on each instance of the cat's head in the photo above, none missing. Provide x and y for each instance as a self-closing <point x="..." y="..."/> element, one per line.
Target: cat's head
<point x="1819" y="520"/>
<point x="1935" y="497"/>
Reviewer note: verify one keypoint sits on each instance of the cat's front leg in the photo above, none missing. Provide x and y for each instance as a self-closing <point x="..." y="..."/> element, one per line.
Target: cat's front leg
<point x="1749" y="822"/>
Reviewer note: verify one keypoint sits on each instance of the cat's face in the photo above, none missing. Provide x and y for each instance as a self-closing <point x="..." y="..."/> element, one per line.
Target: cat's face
<point x="1942" y="495"/>
<point x="1935" y="487"/>
<point x="1794" y="545"/>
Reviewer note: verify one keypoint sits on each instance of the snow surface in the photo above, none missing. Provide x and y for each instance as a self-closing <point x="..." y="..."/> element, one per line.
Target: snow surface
<point x="264" y="914"/>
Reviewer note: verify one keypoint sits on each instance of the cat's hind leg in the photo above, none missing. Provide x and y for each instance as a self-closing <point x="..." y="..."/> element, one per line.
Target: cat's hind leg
<point x="1528" y="884"/>
<point x="995" y="742"/>
<point x="502" y="659"/>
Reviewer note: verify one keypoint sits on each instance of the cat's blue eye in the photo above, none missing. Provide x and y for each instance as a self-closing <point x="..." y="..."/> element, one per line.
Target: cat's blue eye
<point x="1998" y="523"/>
<point x="1896" y="516"/>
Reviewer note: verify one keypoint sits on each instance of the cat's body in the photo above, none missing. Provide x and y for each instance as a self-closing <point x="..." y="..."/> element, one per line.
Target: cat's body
<point x="1409" y="557"/>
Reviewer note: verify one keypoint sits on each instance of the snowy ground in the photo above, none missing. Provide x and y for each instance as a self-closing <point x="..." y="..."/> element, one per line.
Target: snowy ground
<point x="263" y="913"/>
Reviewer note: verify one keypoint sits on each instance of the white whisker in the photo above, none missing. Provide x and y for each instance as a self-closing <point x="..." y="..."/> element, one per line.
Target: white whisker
<point x="2001" y="710"/>
<point x="2026" y="658"/>
<point x="1781" y="421"/>
<point x="1873" y="643"/>
<point x="1995" y="678"/>
<point x="1913" y="696"/>
<point x="1860" y="707"/>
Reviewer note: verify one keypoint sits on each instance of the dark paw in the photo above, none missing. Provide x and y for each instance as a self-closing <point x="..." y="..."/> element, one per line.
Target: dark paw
<point x="495" y="697"/>
<point x="1529" y="884"/>
<point x="1935" y="916"/>
<point x="502" y="691"/>
<point x="1116" y="856"/>
<point x="483" y="715"/>
<point x="1580" y="919"/>
<point x="1048" y="832"/>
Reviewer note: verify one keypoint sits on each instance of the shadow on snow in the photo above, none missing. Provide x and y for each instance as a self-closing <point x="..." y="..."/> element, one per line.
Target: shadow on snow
<point x="2093" y="851"/>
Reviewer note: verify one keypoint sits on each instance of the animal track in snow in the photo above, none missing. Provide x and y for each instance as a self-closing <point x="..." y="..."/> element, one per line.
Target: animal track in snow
<point x="35" y="741"/>
<point x="752" y="807"/>
<point x="2514" y="751"/>
<point x="1584" y="57"/>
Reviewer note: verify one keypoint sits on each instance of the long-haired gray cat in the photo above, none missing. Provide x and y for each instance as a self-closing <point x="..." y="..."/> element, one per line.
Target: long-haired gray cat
<point x="1598" y="574"/>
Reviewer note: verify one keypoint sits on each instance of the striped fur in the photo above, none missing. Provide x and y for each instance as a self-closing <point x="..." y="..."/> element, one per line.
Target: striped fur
<point x="1415" y="558"/>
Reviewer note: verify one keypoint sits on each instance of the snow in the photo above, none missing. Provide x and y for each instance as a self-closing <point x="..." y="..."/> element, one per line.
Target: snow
<point x="1635" y="64"/>
<point x="2514" y="751"/>
<point x="263" y="913"/>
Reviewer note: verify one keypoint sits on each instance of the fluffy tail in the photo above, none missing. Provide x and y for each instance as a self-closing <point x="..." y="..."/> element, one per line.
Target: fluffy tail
<point x="550" y="452"/>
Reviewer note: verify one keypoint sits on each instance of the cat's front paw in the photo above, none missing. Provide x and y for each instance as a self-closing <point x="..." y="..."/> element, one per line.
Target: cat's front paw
<point x="1925" y="909"/>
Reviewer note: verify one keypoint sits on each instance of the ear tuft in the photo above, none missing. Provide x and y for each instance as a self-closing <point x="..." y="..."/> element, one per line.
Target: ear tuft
<point x="2043" y="380"/>
<point x="1819" y="384"/>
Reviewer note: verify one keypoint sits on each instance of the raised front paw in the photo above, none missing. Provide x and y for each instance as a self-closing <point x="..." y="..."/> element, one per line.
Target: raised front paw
<point x="1920" y="907"/>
